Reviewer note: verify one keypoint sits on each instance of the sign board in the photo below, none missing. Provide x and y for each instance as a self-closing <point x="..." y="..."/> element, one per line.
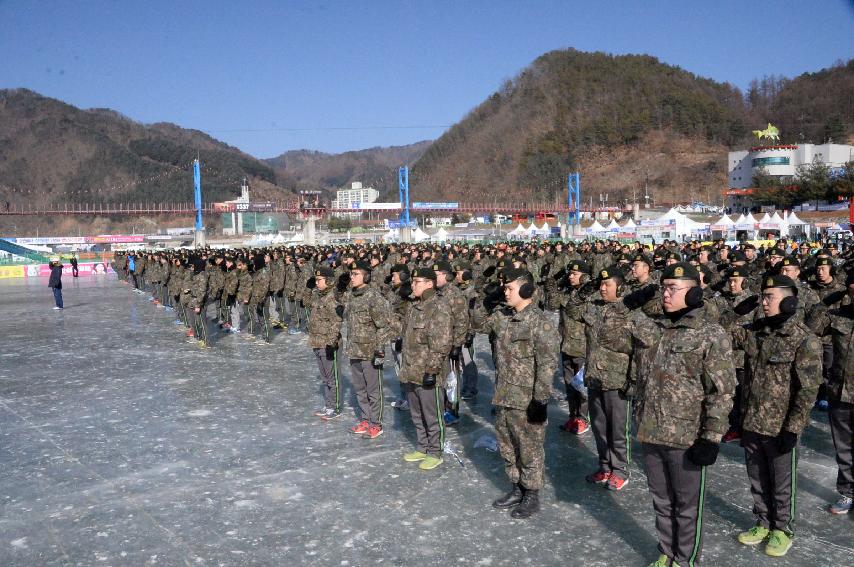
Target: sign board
<point x="377" y="206"/>
<point x="423" y="205"/>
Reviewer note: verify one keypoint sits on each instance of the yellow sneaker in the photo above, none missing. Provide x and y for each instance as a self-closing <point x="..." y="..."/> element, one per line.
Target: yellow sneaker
<point x="753" y="536"/>
<point x="414" y="456"/>
<point x="429" y="463"/>
<point x="778" y="544"/>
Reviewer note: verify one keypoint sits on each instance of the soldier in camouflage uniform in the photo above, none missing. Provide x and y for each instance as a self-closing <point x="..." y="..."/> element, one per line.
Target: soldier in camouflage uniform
<point x="277" y="285"/>
<point x="684" y="394"/>
<point x="608" y="353"/>
<point x="216" y="281"/>
<point x="229" y="293"/>
<point x="259" y="304"/>
<point x="244" y="293"/>
<point x="427" y="338"/>
<point x="832" y="294"/>
<point x="370" y="326"/>
<point x="579" y="291"/>
<point x="197" y="298"/>
<point x="526" y="351"/>
<point x="399" y="299"/>
<point x="838" y="324"/>
<point x="465" y="281"/>
<point x="458" y="306"/>
<point x="782" y="375"/>
<point x="324" y="337"/>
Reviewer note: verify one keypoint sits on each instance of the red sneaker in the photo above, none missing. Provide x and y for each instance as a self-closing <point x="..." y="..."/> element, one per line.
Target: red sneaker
<point x="361" y="427"/>
<point x="226" y="326"/>
<point x="616" y="483"/>
<point x="599" y="477"/>
<point x="190" y="333"/>
<point x="569" y="426"/>
<point x="731" y="436"/>
<point x="581" y="426"/>
<point x="374" y="431"/>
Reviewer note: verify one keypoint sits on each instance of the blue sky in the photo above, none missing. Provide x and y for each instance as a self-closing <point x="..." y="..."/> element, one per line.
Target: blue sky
<point x="335" y="76"/>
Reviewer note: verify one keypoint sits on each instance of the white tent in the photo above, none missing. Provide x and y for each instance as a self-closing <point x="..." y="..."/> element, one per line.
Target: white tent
<point x="419" y="235"/>
<point x="279" y="239"/>
<point x="393" y="235"/>
<point x="595" y="227"/>
<point x="613" y="226"/>
<point x="440" y="235"/>
<point x="766" y="218"/>
<point x="724" y="221"/>
<point x="682" y="225"/>
<point x="517" y="232"/>
<point x="793" y="219"/>
<point x="630" y="226"/>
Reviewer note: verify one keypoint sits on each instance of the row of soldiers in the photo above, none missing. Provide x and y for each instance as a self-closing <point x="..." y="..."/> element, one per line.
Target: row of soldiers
<point x="674" y="336"/>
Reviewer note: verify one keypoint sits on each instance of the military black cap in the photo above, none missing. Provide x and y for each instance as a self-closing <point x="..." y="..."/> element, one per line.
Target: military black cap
<point x="681" y="271"/>
<point x="443" y="266"/>
<point x="403" y="268"/>
<point x="512" y="274"/>
<point x="777" y="252"/>
<point x="823" y="262"/>
<point x="426" y="273"/>
<point x="579" y="266"/>
<point x="790" y="261"/>
<point x="642" y="258"/>
<point x="674" y="256"/>
<point x="363" y="265"/>
<point x="610" y="272"/>
<point x="738" y="257"/>
<point x="736" y="272"/>
<point x="324" y="272"/>
<point x="779" y="280"/>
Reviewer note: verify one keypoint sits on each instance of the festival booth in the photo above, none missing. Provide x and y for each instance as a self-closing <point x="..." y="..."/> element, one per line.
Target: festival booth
<point x="796" y="228"/>
<point x="676" y="226"/>
<point x="629" y="227"/>
<point x="517" y="233"/>
<point x="745" y="227"/>
<point x="723" y="228"/>
<point x="596" y="230"/>
<point x="440" y="235"/>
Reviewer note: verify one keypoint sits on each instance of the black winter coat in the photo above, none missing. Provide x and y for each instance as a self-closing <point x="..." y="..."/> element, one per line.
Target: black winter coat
<point x="55" y="277"/>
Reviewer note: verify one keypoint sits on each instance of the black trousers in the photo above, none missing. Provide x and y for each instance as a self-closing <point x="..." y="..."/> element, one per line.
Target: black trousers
<point x="678" y="489"/>
<point x="610" y="418"/>
<point x="773" y="481"/>
<point x="842" y="429"/>
<point x="425" y="407"/>
<point x="328" y="367"/>
<point x="575" y="400"/>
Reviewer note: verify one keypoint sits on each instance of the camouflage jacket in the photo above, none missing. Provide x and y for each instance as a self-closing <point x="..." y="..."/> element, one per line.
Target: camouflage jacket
<point x="216" y="281"/>
<point x="176" y="279"/>
<point x="609" y="344"/>
<point x="686" y="383"/>
<point x="782" y="374"/>
<point x="838" y="324"/>
<point x="229" y="286"/>
<point x="198" y="289"/>
<point x="324" y="323"/>
<point x="186" y="286"/>
<point x="277" y="276"/>
<point x="572" y="304"/>
<point x="244" y="286"/>
<point x="831" y="295"/>
<point x="526" y="355"/>
<point x="292" y="276"/>
<point x="153" y="274"/>
<point x="370" y="323"/>
<point x="427" y="338"/>
<point x="399" y="305"/>
<point x="260" y="286"/>
<point x="458" y="306"/>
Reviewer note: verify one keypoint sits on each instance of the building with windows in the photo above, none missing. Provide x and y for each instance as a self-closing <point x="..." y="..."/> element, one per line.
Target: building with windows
<point x="780" y="161"/>
<point x="352" y="198"/>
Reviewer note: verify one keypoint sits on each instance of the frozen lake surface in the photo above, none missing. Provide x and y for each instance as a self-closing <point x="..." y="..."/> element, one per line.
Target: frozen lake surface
<point x="123" y="444"/>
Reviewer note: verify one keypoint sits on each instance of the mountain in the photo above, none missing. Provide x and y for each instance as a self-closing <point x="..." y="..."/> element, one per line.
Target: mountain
<point x="54" y="153"/>
<point x="625" y="122"/>
<point x="375" y="167"/>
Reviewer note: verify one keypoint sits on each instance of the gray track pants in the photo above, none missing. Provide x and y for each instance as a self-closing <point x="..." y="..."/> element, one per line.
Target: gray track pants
<point x="772" y="481"/>
<point x="368" y="384"/>
<point x="842" y="429"/>
<point x="610" y="419"/>
<point x="426" y="410"/>
<point x="678" y="494"/>
<point x="329" y="375"/>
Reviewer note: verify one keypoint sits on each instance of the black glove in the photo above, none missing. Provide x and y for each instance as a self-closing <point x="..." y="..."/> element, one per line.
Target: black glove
<point x="343" y="282"/>
<point x="703" y="452"/>
<point x="628" y="391"/>
<point x="330" y="351"/>
<point x="537" y="411"/>
<point x="487" y="273"/>
<point x="746" y="306"/>
<point x="428" y="381"/>
<point x="544" y="271"/>
<point x="639" y="298"/>
<point x="379" y="359"/>
<point x="388" y="280"/>
<point x="311" y="283"/>
<point x="405" y="290"/>
<point x="469" y="341"/>
<point x="456" y="352"/>
<point x="786" y="441"/>
<point x="834" y="297"/>
<point x="398" y="345"/>
<point x="339" y="310"/>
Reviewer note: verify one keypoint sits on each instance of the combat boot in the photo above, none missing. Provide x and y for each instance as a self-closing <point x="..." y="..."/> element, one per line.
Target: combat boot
<point x="511" y="498"/>
<point x="530" y="505"/>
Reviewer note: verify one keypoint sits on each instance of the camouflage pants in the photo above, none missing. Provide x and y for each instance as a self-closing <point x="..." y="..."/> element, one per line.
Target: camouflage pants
<point x="521" y="446"/>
